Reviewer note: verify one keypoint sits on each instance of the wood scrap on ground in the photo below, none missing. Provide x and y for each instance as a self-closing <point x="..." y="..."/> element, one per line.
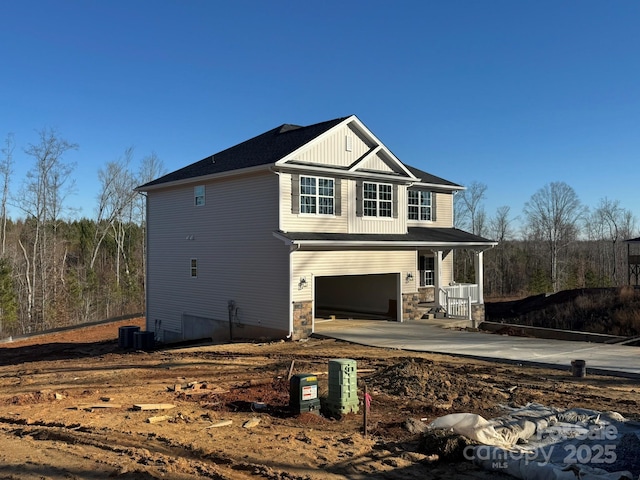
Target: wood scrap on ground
<point x="153" y="406"/>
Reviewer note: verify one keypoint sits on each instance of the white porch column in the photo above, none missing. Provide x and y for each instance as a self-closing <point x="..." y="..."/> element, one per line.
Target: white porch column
<point x="479" y="268"/>
<point x="437" y="277"/>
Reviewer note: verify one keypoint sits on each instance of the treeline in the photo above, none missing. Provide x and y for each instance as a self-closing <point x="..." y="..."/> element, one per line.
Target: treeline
<point x="57" y="271"/>
<point x="556" y="243"/>
<point x="67" y="281"/>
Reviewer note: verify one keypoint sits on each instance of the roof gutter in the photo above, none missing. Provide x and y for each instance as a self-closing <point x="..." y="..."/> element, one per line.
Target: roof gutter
<point x="301" y="244"/>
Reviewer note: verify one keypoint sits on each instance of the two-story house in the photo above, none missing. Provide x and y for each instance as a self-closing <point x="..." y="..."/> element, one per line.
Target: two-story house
<point x="261" y="238"/>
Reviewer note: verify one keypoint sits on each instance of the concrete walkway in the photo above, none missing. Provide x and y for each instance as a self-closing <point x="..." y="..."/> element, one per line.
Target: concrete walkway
<point x="429" y="336"/>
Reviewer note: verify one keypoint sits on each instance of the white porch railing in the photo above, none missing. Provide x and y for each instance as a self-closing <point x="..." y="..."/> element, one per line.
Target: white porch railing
<point x="458" y="308"/>
<point x="460" y="290"/>
<point x="457" y="299"/>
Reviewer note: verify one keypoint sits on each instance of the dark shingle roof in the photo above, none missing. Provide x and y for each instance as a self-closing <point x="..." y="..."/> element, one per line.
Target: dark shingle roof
<point x="428" y="178"/>
<point x="264" y="149"/>
<point x="413" y="236"/>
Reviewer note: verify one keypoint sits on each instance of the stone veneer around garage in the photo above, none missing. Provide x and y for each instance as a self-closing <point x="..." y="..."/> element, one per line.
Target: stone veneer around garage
<point x="410" y="310"/>
<point x="302" y="320"/>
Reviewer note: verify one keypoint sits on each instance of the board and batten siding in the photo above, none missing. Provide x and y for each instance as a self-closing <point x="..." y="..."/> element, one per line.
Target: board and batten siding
<point x="300" y="222"/>
<point x="375" y="163"/>
<point x="332" y="150"/>
<point x="383" y="225"/>
<point x="347" y="221"/>
<point x="310" y="264"/>
<point x="238" y="258"/>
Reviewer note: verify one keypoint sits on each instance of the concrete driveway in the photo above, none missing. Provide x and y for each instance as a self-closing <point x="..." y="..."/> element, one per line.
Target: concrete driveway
<point x="427" y="336"/>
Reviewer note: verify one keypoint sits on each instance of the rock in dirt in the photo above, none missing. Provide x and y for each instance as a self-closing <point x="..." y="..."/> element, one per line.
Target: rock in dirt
<point x="414" y="425"/>
<point x="253" y="422"/>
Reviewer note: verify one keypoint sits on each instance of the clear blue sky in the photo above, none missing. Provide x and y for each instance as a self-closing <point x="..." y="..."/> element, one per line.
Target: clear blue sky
<point x="511" y="94"/>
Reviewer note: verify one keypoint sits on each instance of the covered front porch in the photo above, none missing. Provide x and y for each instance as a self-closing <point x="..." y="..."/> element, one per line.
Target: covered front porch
<point x="440" y="296"/>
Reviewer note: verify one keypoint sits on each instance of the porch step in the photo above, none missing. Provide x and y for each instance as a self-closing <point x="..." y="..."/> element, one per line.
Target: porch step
<point x="428" y="312"/>
<point x="440" y="318"/>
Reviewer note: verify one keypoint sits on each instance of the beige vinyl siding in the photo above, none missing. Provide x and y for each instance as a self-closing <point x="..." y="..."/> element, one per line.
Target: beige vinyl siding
<point x="444" y="210"/>
<point x="376" y="163"/>
<point x="238" y="257"/>
<point x="349" y="262"/>
<point x="296" y="222"/>
<point x="332" y="149"/>
<point x="446" y="274"/>
<point x="377" y="224"/>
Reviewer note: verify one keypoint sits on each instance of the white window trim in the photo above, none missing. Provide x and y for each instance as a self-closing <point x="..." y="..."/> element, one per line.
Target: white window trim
<point x="419" y="206"/>
<point x="199" y="192"/>
<point x="317" y="196"/>
<point x="377" y="200"/>
<point x="422" y="281"/>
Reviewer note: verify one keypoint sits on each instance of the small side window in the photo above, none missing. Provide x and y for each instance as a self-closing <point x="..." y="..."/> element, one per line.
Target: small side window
<point x="194" y="267"/>
<point x="198" y="195"/>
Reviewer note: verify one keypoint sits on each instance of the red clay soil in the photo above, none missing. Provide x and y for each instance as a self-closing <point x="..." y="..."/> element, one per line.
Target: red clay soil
<point x="68" y="409"/>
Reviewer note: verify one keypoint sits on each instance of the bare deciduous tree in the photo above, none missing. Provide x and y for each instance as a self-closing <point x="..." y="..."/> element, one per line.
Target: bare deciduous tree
<point x="552" y="214"/>
<point x="610" y="222"/>
<point x="42" y="199"/>
<point x="116" y="195"/>
<point x="6" y="170"/>
<point x="469" y="212"/>
<point x="500" y="226"/>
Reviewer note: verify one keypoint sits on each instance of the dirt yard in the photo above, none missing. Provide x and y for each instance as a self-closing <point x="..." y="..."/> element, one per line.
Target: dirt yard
<point x="67" y="409"/>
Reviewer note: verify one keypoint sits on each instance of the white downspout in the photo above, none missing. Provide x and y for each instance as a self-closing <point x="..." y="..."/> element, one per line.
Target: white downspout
<point x="479" y="267"/>
<point x="294" y="248"/>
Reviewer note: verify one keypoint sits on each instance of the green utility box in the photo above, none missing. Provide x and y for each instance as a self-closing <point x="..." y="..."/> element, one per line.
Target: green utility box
<point x="343" y="387"/>
<point x="303" y="394"/>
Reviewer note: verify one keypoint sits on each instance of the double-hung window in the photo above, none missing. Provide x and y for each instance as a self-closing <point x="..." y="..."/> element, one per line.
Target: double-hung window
<point x="427" y="271"/>
<point x="377" y="199"/>
<point x="198" y="195"/>
<point x="420" y="205"/>
<point x="317" y="195"/>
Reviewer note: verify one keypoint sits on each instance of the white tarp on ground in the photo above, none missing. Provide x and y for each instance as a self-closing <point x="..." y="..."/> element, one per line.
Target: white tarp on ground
<point x="542" y="443"/>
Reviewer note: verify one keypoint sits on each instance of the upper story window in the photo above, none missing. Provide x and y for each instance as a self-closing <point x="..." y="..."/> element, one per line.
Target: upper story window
<point x="377" y="199"/>
<point x="194" y="267"/>
<point x="198" y="195"/>
<point x="317" y="195"/>
<point x="420" y="205"/>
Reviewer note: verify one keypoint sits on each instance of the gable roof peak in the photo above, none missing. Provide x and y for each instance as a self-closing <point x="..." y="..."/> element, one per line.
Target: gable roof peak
<point x="264" y="149"/>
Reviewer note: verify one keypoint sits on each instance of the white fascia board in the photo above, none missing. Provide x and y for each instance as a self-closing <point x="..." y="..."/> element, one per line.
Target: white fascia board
<point x="369" y="133"/>
<point x="292" y="167"/>
<point x="378" y="244"/>
<point x="318" y="139"/>
<point x="206" y="178"/>
<point x="364" y="130"/>
<point x="438" y="186"/>
<point x="364" y="158"/>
